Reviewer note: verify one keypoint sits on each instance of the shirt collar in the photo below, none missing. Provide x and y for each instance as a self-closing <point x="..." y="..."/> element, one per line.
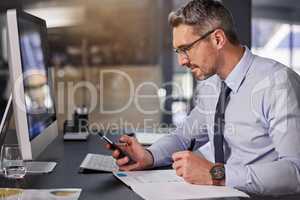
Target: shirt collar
<point x="235" y="78"/>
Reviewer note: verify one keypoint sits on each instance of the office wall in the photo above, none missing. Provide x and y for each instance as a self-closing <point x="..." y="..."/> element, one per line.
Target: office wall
<point x="112" y="34"/>
<point x="129" y="89"/>
<point x="241" y="11"/>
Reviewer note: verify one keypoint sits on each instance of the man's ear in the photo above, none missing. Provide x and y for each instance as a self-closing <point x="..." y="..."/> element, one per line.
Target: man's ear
<point x="219" y="39"/>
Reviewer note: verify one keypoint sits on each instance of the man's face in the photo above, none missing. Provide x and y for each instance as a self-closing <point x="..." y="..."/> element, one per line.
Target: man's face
<point x="201" y="58"/>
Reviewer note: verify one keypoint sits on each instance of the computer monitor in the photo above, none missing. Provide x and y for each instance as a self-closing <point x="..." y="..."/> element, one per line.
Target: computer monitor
<point x="6" y="115"/>
<point x="33" y="102"/>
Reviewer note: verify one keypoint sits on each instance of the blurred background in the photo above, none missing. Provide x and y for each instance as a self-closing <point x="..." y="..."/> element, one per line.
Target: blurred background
<point x="89" y="40"/>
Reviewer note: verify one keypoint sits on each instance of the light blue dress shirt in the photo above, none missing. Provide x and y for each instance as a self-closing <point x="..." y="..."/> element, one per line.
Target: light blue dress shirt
<point x="262" y="127"/>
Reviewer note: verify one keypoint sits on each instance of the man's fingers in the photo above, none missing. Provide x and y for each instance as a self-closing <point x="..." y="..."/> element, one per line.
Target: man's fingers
<point x="178" y="164"/>
<point x="116" y="153"/>
<point x="122" y="161"/>
<point x="126" y="139"/>
<point x="129" y="167"/>
<point x="108" y="146"/>
<point x="179" y="155"/>
<point x="179" y="172"/>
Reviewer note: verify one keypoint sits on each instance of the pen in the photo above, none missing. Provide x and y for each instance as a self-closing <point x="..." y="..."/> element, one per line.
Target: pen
<point x="193" y="141"/>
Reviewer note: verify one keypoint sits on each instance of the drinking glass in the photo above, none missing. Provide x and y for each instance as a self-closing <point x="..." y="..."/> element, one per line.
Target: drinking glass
<point x="12" y="163"/>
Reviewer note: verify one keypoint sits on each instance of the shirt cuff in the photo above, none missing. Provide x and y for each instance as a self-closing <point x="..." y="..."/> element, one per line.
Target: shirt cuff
<point x="236" y="176"/>
<point x="151" y="154"/>
<point x="158" y="160"/>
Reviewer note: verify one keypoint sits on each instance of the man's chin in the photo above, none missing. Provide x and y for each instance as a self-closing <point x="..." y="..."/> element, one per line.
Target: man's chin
<point x="202" y="77"/>
<point x="199" y="74"/>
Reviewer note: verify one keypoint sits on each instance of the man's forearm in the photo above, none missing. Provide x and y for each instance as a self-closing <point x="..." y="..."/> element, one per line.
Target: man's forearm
<point x="276" y="178"/>
<point x="162" y="150"/>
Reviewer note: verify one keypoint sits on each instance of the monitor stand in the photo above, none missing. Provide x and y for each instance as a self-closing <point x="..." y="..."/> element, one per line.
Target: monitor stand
<point x="38" y="167"/>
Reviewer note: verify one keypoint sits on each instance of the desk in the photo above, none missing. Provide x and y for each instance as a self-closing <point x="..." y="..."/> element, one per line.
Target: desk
<point x="69" y="155"/>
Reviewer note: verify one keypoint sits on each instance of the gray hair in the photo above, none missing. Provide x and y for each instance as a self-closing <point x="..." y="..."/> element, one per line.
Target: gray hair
<point x="204" y="15"/>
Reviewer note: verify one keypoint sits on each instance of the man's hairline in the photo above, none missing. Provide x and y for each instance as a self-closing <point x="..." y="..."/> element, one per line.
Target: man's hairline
<point x="207" y="26"/>
<point x="195" y="33"/>
<point x="200" y="33"/>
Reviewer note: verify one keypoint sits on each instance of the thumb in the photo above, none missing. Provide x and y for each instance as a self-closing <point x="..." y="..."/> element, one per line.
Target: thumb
<point x="126" y="139"/>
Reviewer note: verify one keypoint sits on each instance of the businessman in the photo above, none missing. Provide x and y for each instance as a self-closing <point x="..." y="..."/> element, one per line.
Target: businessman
<point x="248" y="108"/>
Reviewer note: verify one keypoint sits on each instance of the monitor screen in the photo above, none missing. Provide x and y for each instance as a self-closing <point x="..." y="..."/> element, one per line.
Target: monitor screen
<point x="4" y="74"/>
<point x="40" y="109"/>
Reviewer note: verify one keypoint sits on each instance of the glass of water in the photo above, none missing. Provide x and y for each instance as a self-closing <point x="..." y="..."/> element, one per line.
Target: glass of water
<point x="12" y="163"/>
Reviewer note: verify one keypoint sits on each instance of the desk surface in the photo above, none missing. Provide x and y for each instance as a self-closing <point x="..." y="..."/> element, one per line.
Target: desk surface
<point x="98" y="185"/>
<point x="69" y="155"/>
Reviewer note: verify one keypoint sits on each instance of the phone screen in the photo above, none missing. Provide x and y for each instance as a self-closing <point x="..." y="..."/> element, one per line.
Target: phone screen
<point x="107" y="140"/>
<point x="115" y="146"/>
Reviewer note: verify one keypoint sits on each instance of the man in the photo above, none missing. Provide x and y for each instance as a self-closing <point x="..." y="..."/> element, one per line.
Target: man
<point x="248" y="108"/>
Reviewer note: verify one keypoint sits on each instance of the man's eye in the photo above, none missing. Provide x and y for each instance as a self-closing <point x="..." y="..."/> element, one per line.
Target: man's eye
<point x="177" y="50"/>
<point x="181" y="50"/>
<point x="184" y="49"/>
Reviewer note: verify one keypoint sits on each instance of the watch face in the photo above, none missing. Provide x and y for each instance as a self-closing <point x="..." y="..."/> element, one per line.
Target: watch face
<point x="218" y="172"/>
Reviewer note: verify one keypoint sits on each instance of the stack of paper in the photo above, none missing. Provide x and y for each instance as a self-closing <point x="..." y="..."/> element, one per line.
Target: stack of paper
<point x="165" y="184"/>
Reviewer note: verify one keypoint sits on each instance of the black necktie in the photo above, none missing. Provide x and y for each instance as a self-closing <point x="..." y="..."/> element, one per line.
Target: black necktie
<point x="219" y="122"/>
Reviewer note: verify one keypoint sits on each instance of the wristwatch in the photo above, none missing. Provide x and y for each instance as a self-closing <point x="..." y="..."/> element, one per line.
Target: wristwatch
<point x="217" y="173"/>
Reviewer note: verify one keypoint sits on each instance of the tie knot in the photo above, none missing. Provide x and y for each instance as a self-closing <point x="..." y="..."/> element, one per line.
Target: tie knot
<point x="225" y="89"/>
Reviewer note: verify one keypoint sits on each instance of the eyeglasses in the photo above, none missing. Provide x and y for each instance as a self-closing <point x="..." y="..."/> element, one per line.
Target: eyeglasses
<point x="184" y="49"/>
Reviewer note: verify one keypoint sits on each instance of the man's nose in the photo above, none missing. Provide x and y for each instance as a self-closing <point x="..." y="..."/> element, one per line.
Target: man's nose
<point x="183" y="60"/>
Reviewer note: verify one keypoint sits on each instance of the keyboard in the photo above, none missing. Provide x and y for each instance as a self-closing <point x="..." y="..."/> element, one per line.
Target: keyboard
<point x="35" y="167"/>
<point x="99" y="162"/>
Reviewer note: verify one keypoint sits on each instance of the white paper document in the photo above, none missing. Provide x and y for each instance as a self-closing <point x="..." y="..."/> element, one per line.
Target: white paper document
<point x="53" y="194"/>
<point x="165" y="184"/>
<point x="183" y="190"/>
<point x="149" y="176"/>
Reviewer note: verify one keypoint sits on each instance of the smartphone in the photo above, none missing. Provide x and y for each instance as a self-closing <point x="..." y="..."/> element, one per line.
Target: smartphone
<point x="115" y="146"/>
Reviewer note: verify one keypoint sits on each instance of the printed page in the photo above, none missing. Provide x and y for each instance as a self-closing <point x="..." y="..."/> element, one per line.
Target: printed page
<point x="149" y="176"/>
<point x="183" y="190"/>
<point x="165" y="184"/>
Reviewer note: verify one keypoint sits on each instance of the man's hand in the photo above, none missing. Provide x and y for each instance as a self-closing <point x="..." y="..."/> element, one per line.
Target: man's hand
<point x="141" y="158"/>
<point x="192" y="168"/>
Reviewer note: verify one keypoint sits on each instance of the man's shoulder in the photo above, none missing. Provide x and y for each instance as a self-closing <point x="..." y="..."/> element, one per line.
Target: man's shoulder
<point x="266" y="70"/>
<point x="263" y="66"/>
